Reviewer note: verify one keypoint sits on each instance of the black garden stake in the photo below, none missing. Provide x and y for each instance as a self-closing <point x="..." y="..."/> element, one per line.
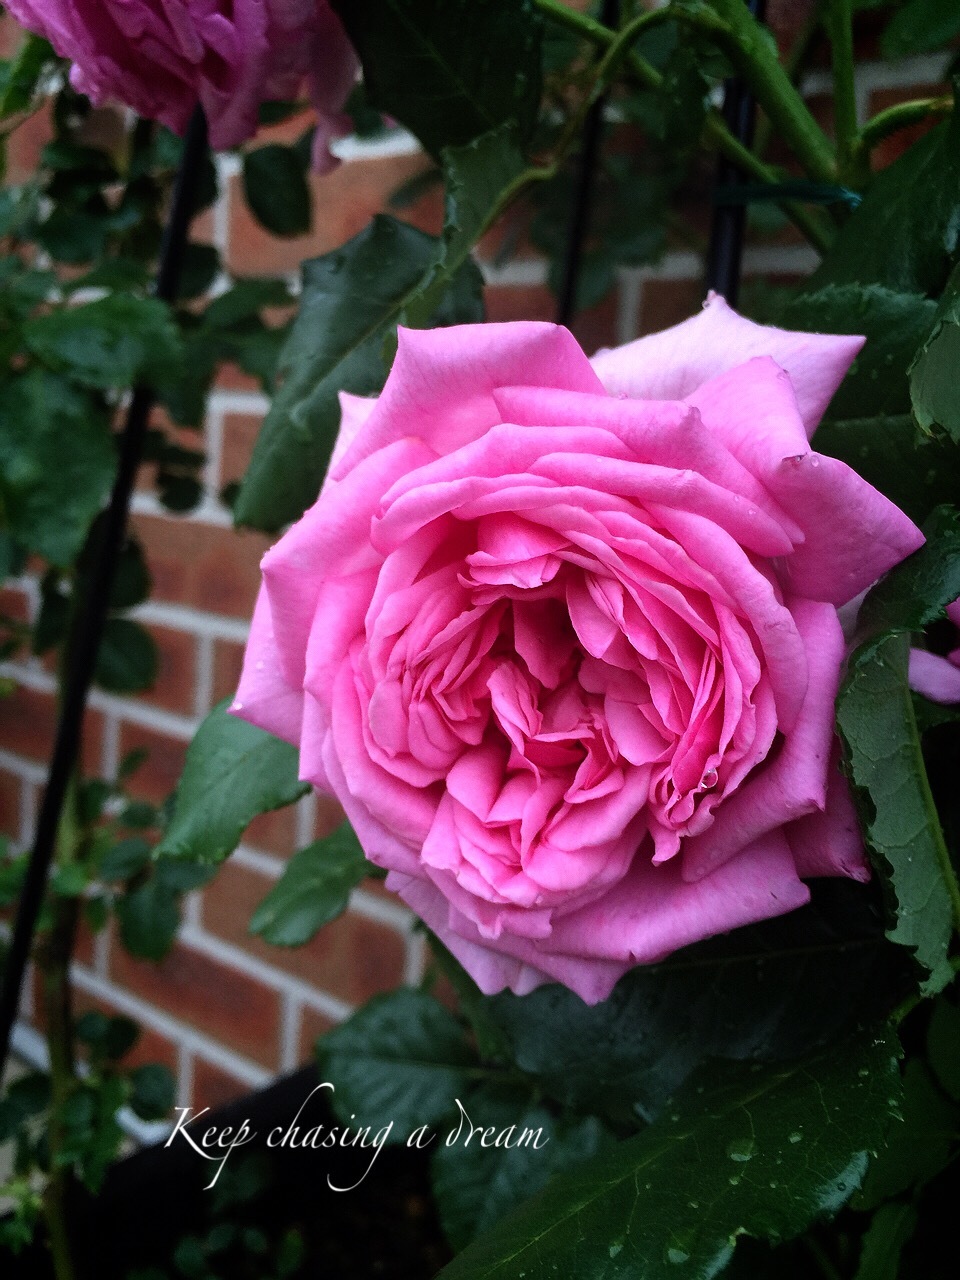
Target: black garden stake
<point x="92" y="609"/>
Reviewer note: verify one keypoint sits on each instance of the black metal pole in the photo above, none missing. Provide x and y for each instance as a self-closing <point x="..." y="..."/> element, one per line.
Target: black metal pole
<point x="583" y="190"/>
<point x="725" y="249"/>
<point x="92" y="609"/>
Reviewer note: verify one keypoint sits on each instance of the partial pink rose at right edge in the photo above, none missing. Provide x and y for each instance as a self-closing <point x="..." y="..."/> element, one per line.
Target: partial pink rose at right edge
<point x="936" y="677"/>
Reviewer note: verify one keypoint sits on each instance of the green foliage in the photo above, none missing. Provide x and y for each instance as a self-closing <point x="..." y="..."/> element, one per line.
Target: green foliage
<point x="352" y="301"/>
<point x="437" y="65"/>
<point x="933" y="374"/>
<point x="275" y="186"/>
<point x="920" y="26"/>
<point x="672" y="1201"/>
<point x="313" y="890"/>
<point x="905" y="232"/>
<point x="233" y="772"/>
<point x="402" y="1057"/>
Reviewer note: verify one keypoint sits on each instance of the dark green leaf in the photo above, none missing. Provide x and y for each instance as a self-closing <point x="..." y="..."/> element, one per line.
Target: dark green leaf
<point x="50" y="628"/>
<point x="943" y="1046"/>
<point x="760" y="1153"/>
<point x="149" y="917"/>
<point x="57" y="462"/>
<point x="154" y="1091"/>
<point x="131" y="586"/>
<point x="919" y="1144"/>
<point x="276" y="190"/>
<point x="933" y="375"/>
<point x="891" y="1228"/>
<point x="125" y="859"/>
<point x="313" y="890"/>
<point x="127" y="661"/>
<point x="753" y="995"/>
<point x="916" y="592"/>
<point x="200" y="268"/>
<point x="906" y="231"/>
<point x="920" y="26"/>
<point x="894" y="325"/>
<point x="913" y="471"/>
<point x="875" y="716"/>
<point x="233" y="772"/>
<point x="499" y="1150"/>
<point x="438" y="66"/>
<point x="352" y="301"/>
<point x="110" y="343"/>
<point x="401" y="1058"/>
<point x="477" y="177"/>
<point x="244" y="300"/>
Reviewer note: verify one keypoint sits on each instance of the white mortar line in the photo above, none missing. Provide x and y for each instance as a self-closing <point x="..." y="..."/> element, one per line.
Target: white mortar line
<point x="266" y="864"/>
<point x="212" y="1051"/>
<point x="629" y="298"/>
<point x="181" y="617"/>
<point x="382" y="910"/>
<point x="203" y="679"/>
<point x="233" y="957"/>
<point x="249" y="403"/>
<point x="185" y="1062"/>
<point x="110" y="747"/>
<point x="525" y="272"/>
<point x="289" y="1033"/>
<point x="395" y="142"/>
<point x="416" y="960"/>
<point x="213" y="448"/>
<point x="26" y="769"/>
<point x="206" y="512"/>
<point x="306" y="819"/>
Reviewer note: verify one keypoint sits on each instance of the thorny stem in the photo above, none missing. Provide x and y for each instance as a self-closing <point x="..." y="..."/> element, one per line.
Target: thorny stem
<point x="901" y="116"/>
<point x="715" y="135"/>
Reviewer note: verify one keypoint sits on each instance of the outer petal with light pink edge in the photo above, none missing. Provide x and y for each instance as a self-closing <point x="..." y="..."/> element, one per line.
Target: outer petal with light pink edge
<point x="264" y="697"/>
<point x="851" y="533"/>
<point x="441" y="385"/>
<point x="830" y="843"/>
<point x="935" y="677"/>
<point x="672" y="364"/>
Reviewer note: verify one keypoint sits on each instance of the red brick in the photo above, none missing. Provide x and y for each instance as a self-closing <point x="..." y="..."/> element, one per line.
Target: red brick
<point x="240" y="431"/>
<point x="223" y="1003"/>
<point x="25" y="145"/>
<point x="668" y="302"/>
<point x="227" y="663"/>
<point x="209" y="567"/>
<point x="10" y="787"/>
<point x="274" y="832"/>
<point x="213" y="1087"/>
<point x="343" y="203"/>
<point x="312" y="1026"/>
<point x="15" y="604"/>
<point x="593" y="328"/>
<point x="230" y="377"/>
<point x="28" y="721"/>
<point x="160" y="772"/>
<point x="352" y="958"/>
<point x="173" y="688"/>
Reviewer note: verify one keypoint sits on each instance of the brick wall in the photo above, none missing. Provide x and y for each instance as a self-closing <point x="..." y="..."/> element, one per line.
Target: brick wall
<point x="224" y="1010"/>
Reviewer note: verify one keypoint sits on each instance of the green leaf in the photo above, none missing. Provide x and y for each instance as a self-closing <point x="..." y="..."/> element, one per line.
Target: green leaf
<point x="439" y="66"/>
<point x="894" y="324"/>
<point x="933" y="374"/>
<point x="920" y="26"/>
<point x="149" y="917"/>
<point x="760" y="1153"/>
<point x="907" y="229"/>
<point x="876" y="719"/>
<point x="57" y="462"/>
<point x="891" y="1228"/>
<point x="127" y="661"/>
<point x="125" y="859"/>
<point x="22" y="80"/>
<point x="943" y="1046"/>
<point x="752" y="995"/>
<point x="501" y="1149"/>
<point x="919" y="1145"/>
<point x="111" y="343"/>
<point x="233" y="772"/>
<point x="352" y="301"/>
<point x="276" y="190"/>
<point x="401" y="1058"/>
<point x="477" y="177"/>
<point x="313" y="890"/>
<point x="154" y="1091"/>
<point x="916" y="592"/>
<point x="913" y="471"/>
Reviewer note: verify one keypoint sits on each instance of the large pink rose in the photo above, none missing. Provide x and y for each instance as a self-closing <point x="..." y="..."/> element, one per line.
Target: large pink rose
<point x="938" y="678"/>
<point x="561" y="635"/>
<point x="163" y="56"/>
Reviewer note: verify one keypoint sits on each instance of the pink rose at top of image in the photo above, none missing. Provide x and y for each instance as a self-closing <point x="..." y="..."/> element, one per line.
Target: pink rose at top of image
<point x="163" y="56"/>
<point x="935" y="677"/>
<point x="561" y="636"/>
